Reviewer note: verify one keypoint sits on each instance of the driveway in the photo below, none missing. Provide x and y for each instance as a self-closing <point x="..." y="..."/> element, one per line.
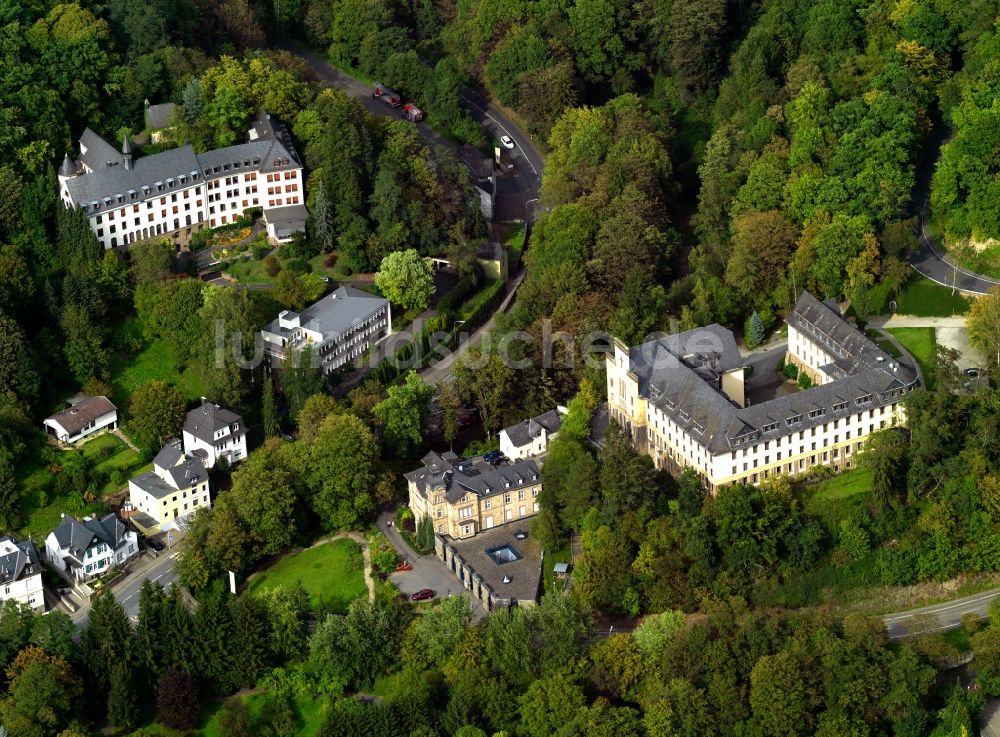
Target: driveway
<point x="429" y="571"/>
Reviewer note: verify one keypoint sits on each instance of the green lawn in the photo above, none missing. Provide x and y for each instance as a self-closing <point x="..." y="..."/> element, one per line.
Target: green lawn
<point x="924" y="298"/>
<point x="515" y="240"/>
<point x="844" y="485"/>
<point x="922" y="345"/>
<point x="155" y="360"/>
<point x="332" y="573"/>
<point x="41" y="511"/>
<point x="252" y="271"/>
<point x="310" y="711"/>
<point x="562" y="555"/>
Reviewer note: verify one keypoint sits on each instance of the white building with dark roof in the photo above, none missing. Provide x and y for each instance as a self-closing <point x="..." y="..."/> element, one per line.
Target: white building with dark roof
<point x="339" y="328"/>
<point x="212" y="432"/>
<point x="177" y="192"/>
<point x="682" y="400"/>
<point x="83" y="549"/>
<point x="176" y="487"/>
<point x="84" y="417"/>
<point x="20" y="573"/>
<point x="531" y="437"/>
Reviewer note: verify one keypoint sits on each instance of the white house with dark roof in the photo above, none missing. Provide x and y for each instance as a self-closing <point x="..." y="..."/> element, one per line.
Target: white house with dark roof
<point x="531" y="437"/>
<point x="466" y="496"/>
<point x="20" y="573"/>
<point x="86" y="548"/>
<point x="176" y="487"/>
<point x="177" y="192"/>
<point x="282" y="223"/>
<point x="84" y="417"/>
<point x="681" y="399"/>
<point x="214" y="432"/>
<point x="339" y="328"/>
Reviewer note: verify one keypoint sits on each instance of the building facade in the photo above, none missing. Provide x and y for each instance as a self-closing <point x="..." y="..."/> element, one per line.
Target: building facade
<point x="84" y="549"/>
<point x="177" y="192"/>
<point x="465" y="497"/>
<point x="338" y="328"/>
<point x="531" y="438"/>
<point x="682" y="400"/>
<point x="212" y="432"/>
<point x="176" y="487"/>
<point x="86" y="416"/>
<point x="21" y="573"/>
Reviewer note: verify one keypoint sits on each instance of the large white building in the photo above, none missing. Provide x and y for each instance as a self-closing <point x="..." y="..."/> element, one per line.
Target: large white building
<point x="176" y="487"/>
<point x="177" y="192"/>
<point x="682" y="399"/>
<point x="339" y="328"/>
<point x="20" y="573"/>
<point x="213" y="432"/>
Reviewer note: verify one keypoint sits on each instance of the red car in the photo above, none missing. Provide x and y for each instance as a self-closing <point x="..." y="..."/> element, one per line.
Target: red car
<point x="422" y="595"/>
<point x="402" y="567"/>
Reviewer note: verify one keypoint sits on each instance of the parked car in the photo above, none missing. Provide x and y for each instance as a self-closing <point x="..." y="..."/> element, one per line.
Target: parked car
<point x="404" y="566"/>
<point x="972" y="372"/>
<point x="422" y="595"/>
<point x="507" y="142"/>
<point x="154" y="544"/>
<point x="493" y="455"/>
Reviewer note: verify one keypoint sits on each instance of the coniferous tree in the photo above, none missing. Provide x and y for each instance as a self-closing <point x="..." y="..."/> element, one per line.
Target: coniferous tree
<point x="755" y="330"/>
<point x="123" y="707"/>
<point x="269" y="411"/>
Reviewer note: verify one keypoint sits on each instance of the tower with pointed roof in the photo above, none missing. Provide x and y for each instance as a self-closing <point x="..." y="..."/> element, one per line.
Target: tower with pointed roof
<point x="127" y="151"/>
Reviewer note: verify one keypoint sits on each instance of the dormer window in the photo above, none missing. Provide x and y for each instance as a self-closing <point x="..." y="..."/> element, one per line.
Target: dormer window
<point x="170" y="182"/>
<point x="794" y="419"/>
<point x="145" y="190"/>
<point x="159" y="186"/>
<point x="506" y="484"/>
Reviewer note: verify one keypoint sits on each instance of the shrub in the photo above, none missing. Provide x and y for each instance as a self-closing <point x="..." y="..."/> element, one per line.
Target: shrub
<point x="298" y="266"/>
<point x="271" y="266"/>
<point x="330" y="260"/>
<point x="804" y="381"/>
<point x="259" y="250"/>
<point x="791" y="371"/>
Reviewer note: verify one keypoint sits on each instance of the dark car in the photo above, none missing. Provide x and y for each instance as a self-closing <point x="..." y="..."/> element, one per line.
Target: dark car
<point x="493" y="455"/>
<point x="154" y="544"/>
<point x="422" y="595"/>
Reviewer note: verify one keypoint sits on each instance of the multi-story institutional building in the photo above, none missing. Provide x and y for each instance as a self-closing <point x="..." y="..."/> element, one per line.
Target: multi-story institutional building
<point x="338" y="328"/>
<point x="177" y="192"/>
<point x="20" y="573"/>
<point x="176" y="487"/>
<point x="213" y="432"/>
<point x="463" y="497"/>
<point x="682" y="400"/>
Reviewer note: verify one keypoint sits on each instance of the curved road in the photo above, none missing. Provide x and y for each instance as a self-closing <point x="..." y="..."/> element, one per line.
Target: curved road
<point x="938" y="617"/>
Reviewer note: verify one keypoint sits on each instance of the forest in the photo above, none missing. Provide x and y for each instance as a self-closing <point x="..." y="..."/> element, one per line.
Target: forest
<point x="704" y="161"/>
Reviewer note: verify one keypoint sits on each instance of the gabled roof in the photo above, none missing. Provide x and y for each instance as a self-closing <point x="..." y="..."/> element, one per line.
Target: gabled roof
<point x="158" y="116"/>
<point x="523" y="433"/>
<point x="99" y="154"/>
<point x="490" y="251"/>
<point x="18" y="559"/>
<point x="75" y="537"/>
<point x="172" y="472"/>
<point x="75" y="418"/>
<point x="204" y="421"/>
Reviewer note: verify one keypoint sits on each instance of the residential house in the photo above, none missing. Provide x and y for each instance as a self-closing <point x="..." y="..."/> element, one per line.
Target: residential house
<point x="84" y="549"/>
<point x="158" y="121"/>
<point x="217" y="432"/>
<point x="464" y="497"/>
<point x="20" y="573"/>
<point x="682" y="400"/>
<point x="84" y="417"/>
<point x="481" y="174"/>
<point x="176" y="487"/>
<point x="177" y="192"/>
<point x="531" y="437"/>
<point x="339" y="328"/>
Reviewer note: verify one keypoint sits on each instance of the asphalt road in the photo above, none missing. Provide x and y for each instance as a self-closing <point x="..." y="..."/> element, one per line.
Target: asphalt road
<point x="159" y="570"/>
<point x="938" y="617"/>
<point x="932" y="263"/>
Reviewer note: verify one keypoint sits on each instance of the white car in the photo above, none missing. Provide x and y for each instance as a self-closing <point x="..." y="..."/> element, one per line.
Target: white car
<point x="507" y="142"/>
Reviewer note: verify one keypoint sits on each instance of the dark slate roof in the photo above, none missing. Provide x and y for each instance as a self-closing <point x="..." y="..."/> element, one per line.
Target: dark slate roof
<point x="335" y="314"/>
<point x="158" y="116"/>
<point x="286" y="214"/>
<point x="68" y="168"/>
<point x="490" y="251"/>
<point x="480" y="165"/>
<point x="99" y="154"/>
<point x="150" y="177"/>
<point x="522" y="575"/>
<point x="680" y="376"/>
<point x="267" y="127"/>
<point x="76" y="536"/>
<point x="523" y="433"/>
<point x="126" y="145"/>
<point x="20" y="562"/>
<point x="171" y="472"/>
<point x="75" y="418"/>
<point x="460" y="477"/>
<point x="204" y="421"/>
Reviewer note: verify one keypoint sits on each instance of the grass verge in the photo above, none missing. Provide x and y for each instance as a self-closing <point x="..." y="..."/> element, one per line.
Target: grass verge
<point x="922" y="345"/>
<point x="923" y="298"/>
